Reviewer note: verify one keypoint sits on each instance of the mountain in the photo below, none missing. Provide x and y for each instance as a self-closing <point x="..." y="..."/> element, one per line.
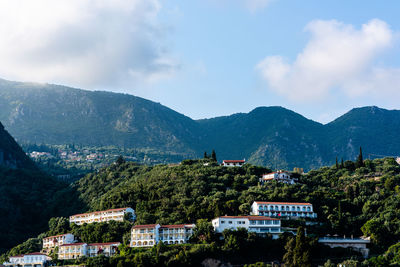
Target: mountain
<point x="57" y="115"/>
<point x="373" y="128"/>
<point x="28" y="197"/>
<point x="271" y="136"/>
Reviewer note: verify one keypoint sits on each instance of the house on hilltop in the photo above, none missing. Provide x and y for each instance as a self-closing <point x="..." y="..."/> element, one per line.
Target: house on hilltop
<point x="279" y="176"/>
<point x="233" y="163"/>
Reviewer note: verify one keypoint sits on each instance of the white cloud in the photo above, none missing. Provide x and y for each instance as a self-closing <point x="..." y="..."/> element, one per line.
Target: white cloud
<point x="89" y="43"/>
<point x="337" y="57"/>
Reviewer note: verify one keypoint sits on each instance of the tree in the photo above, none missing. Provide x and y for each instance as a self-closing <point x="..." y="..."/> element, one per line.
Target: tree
<point x="341" y="164"/>
<point x="360" y="161"/>
<point x="298" y="253"/>
<point x="213" y="155"/>
<point x="203" y="232"/>
<point x="337" y="164"/>
<point x="120" y="160"/>
<point x="205" y="155"/>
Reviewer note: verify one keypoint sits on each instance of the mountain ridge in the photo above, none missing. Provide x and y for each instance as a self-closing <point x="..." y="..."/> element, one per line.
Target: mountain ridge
<point x="273" y="136"/>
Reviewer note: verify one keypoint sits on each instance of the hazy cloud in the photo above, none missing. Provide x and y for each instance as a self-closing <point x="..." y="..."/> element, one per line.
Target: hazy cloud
<point x="90" y="43"/>
<point x="337" y="57"/>
<point x="254" y="5"/>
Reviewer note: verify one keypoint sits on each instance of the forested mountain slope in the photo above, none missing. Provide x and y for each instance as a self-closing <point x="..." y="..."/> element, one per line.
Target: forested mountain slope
<point x="271" y="136"/>
<point x="28" y="197"/>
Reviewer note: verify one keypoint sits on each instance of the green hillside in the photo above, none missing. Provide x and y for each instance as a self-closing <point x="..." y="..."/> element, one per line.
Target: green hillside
<point x="28" y="197"/>
<point x="350" y="199"/>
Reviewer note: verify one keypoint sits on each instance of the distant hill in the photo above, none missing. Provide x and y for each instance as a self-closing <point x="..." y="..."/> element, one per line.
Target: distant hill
<point x="28" y="197"/>
<point x="271" y="136"/>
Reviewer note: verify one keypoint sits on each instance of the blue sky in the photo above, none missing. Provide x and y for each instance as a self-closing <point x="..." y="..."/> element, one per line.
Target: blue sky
<point x="212" y="57"/>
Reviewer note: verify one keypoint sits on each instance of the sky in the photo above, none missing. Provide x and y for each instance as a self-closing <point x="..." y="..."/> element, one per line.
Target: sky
<point x="208" y="58"/>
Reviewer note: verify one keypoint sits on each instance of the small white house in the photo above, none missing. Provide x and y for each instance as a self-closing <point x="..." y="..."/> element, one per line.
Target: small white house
<point x="279" y="176"/>
<point x="31" y="259"/>
<point x="233" y="163"/>
<point x="257" y="224"/>
<point x="283" y="209"/>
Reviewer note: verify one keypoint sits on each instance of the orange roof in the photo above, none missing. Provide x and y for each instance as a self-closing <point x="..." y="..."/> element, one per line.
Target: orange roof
<point x="28" y="254"/>
<point x="255" y="218"/>
<point x="100" y="211"/>
<point x="234" y="161"/>
<point x="281" y="203"/>
<point x="145" y="226"/>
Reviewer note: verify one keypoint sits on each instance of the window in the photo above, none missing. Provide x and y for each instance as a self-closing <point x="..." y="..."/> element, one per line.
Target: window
<point x="252" y="222"/>
<point x="260" y="222"/>
<point x="308" y="209"/>
<point x="230" y="222"/>
<point x="222" y="222"/>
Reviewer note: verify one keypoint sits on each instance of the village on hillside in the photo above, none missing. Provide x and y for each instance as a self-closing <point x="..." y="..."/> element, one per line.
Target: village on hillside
<point x="265" y="219"/>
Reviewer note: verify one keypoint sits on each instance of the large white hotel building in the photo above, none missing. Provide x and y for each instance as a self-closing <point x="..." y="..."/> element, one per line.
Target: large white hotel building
<point x="102" y="216"/>
<point x="283" y="209"/>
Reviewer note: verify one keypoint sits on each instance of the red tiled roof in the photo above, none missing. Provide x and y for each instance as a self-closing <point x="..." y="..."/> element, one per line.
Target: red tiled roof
<point x="100" y="211"/>
<point x="145" y="226"/>
<point x="73" y="244"/>
<point x="17" y="256"/>
<point x="104" y="244"/>
<point x="256" y="218"/>
<point x="281" y="203"/>
<point x="234" y="161"/>
<point x="55" y="236"/>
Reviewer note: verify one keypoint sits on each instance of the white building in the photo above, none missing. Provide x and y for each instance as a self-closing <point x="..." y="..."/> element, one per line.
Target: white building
<point x="233" y="163"/>
<point x="31" y="259"/>
<point x="279" y="176"/>
<point x="77" y="250"/>
<point x="102" y="216"/>
<point x="283" y="209"/>
<point x="107" y="249"/>
<point x="358" y="244"/>
<point x="256" y="224"/>
<point x="144" y="235"/>
<point x="72" y="251"/>
<point x="176" y="234"/>
<point x="151" y="234"/>
<point x="51" y="242"/>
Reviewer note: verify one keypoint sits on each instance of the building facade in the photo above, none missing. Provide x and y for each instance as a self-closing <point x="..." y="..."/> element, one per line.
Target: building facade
<point x="256" y="224"/>
<point x="31" y="259"/>
<point x="51" y="242"/>
<point x="283" y="209"/>
<point x="233" y="163"/>
<point x="176" y="234"/>
<point x="279" y="176"/>
<point x="72" y="251"/>
<point x="149" y="235"/>
<point x="77" y="250"/>
<point x="358" y="244"/>
<point x="102" y="216"/>
<point x="107" y="249"/>
<point x="144" y="235"/>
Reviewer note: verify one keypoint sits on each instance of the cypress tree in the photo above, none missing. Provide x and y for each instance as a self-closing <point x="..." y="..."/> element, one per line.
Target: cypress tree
<point x="342" y="164"/>
<point x="337" y="164"/>
<point x="214" y="155"/>
<point x="205" y="155"/>
<point x="360" y="160"/>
